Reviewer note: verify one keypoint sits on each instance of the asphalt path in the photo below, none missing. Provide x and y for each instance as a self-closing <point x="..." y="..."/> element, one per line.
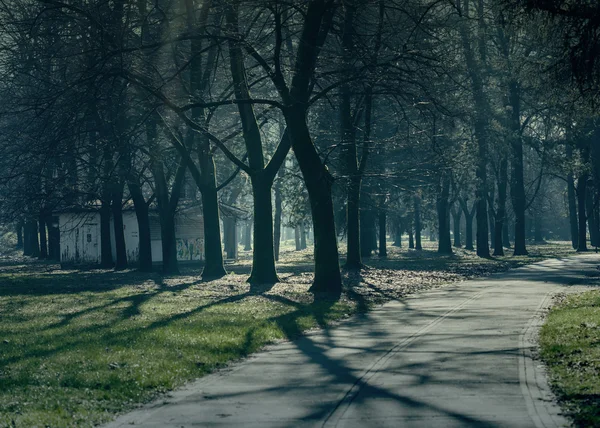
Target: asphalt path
<point x="458" y="356"/>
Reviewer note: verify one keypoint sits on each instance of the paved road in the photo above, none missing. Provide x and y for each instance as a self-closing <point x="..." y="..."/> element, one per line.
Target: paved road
<point x="452" y="357"/>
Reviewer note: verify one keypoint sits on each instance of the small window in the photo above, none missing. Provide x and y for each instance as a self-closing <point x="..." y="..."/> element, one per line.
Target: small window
<point x="89" y="237"/>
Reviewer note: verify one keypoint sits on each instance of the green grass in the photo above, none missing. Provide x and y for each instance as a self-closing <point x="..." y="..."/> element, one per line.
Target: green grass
<point x="570" y="347"/>
<point x="76" y="347"/>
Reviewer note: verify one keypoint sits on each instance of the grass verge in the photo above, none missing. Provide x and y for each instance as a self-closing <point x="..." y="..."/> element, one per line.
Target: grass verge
<point x="76" y="347"/>
<point x="570" y="347"/>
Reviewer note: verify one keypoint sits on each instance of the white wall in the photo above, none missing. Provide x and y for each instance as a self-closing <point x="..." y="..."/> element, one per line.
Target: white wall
<point x="79" y="238"/>
<point x="77" y="228"/>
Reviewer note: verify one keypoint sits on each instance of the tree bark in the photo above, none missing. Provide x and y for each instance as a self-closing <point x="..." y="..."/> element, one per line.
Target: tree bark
<point x="353" y="232"/>
<point x="106" y="260"/>
<point x="248" y="236"/>
<point x="505" y="234"/>
<point x="443" y="212"/>
<point x="19" y="231"/>
<point x="591" y="217"/>
<point x="398" y="234"/>
<point x="278" y="214"/>
<point x="581" y="197"/>
<point x="117" y="213"/>
<point x="501" y="208"/>
<point x="263" y="259"/>
<point x="468" y="223"/>
<point x="143" y="220"/>
<point x="382" y="234"/>
<point x="318" y="183"/>
<point x="303" y="233"/>
<point x="417" y="206"/>
<point x="517" y="179"/>
<point x="456" y="219"/>
<point x="34" y="245"/>
<point x="43" y="237"/>
<point x="213" y="252"/>
<point x="297" y="238"/>
<point x="572" y="201"/>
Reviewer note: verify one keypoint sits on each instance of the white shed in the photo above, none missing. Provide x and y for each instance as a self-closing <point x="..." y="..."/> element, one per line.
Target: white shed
<point x="80" y="236"/>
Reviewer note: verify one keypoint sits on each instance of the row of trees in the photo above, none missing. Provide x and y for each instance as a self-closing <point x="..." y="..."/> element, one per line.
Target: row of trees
<point x="389" y="107"/>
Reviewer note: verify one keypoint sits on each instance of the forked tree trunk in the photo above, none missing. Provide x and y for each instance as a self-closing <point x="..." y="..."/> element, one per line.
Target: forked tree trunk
<point x="318" y="183"/>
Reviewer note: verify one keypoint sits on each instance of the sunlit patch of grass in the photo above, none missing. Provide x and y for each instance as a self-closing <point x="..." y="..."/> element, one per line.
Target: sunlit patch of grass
<point x="570" y="347"/>
<point x="76" y="358"/>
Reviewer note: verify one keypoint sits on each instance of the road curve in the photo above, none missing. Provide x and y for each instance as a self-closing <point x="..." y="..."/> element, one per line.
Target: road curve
<point x="458" y="356"/>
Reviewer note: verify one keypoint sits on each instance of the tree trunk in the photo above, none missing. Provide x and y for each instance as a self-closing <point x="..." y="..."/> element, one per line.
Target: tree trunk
<point x="468" y="224"/>
<point x="263" y="260"/>
<point x="591" y="217"/>
<point x="538" y="235"/>
<point x="398" y="235"/>
<point x="417" y="205"/>
<point x="492" y="223"/>
<point x="368" y="229"/>
<point x="213" y="252"/>
<point x="34" y="245"/>
<point x="43" y="239"/>
<point x="143" y="220"/>
<point x="229" y="242"/>
<point x="53" y="238"/>
<point x="505" y="234"/>
<point x="278" y="215"/>
<point x="248" y="236"/>
<point x="353" y="243"/>
<point x="411" y="240"/>
<point x="456" y="218"/>
<point x="443" y="212"/>
<point x="106" y="260"/>
<point x="382" y="232"/>
<point x="501" y="209"/>
<point x="303" y="233"/>
<point x="581" y="197"/>
<point x="318" y="183"/>
<point x="117" y="212"/>
<point x="297" y="237"/>
<point x="518" y="181"/>
<point x="19" y="231"/>
<point x="572" y="202"/>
